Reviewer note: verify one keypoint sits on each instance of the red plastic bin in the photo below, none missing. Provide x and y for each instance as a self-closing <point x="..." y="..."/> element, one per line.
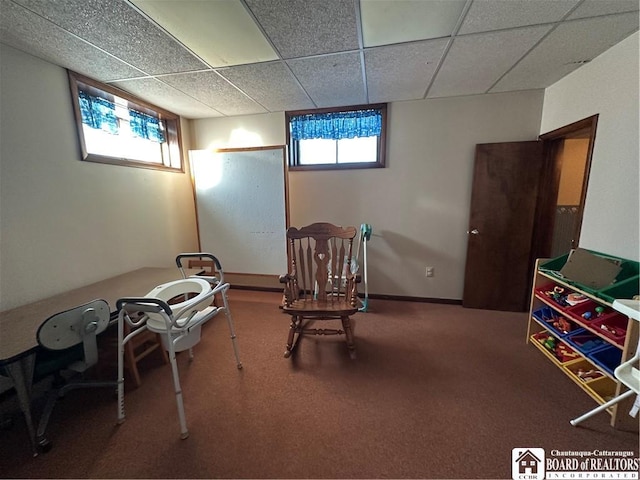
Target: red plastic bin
<point x="613" y="326"/>
<point x="577" y="311"/>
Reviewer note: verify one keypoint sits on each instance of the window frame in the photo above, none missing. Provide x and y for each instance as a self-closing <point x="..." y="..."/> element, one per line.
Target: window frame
<point x="170" y="120"/>
<point x="292" y="157"/>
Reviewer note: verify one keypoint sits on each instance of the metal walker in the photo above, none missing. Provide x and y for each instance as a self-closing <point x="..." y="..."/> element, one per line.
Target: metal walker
<point x="363" y="238"/>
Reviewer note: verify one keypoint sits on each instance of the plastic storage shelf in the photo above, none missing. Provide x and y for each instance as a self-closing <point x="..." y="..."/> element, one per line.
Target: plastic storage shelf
<point x="566" y="321"/>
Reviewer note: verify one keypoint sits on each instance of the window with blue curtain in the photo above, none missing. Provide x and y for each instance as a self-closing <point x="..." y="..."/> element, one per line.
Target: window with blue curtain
<point x="337" y="138"/>
<point x="117" y="128"/>
<point x="98" y="113"/>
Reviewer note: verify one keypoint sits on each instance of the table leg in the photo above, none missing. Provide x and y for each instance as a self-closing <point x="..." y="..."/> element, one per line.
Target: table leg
<point x="21" y="373"/>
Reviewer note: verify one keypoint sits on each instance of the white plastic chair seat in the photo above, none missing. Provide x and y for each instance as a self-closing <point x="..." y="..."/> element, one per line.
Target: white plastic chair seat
<point x="629" y="375"/>
<point x="628" y="372"/>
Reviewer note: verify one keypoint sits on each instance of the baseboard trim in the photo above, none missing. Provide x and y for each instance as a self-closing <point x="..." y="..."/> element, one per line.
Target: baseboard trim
<point x="257" y="289"/>
<point x="404" y="298"/>
<point x="374" y="296"/>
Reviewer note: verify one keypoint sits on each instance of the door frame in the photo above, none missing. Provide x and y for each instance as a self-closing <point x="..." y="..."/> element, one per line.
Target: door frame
<point x="550" y="184"/>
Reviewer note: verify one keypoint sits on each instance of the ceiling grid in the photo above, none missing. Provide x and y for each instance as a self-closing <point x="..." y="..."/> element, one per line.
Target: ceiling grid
<point x="211" y="58"/>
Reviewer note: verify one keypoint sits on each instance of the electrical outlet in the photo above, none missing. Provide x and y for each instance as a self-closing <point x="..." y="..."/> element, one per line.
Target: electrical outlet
<point x="429" y="272"/>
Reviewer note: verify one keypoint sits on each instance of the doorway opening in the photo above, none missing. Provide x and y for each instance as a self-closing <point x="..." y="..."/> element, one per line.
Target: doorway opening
<point x="564" y="187"/>
<point x="572" y="157"/>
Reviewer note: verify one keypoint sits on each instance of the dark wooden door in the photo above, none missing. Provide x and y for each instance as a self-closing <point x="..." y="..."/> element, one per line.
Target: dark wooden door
<point x="504" y="196"/>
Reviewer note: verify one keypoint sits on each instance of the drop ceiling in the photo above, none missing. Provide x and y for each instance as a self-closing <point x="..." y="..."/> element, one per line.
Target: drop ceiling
<point x="213" y="58"/>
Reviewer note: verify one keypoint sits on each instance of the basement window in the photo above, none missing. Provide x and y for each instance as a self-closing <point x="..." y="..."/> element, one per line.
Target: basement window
<point x="117" y="128"/>
<point x="337" y="138"/>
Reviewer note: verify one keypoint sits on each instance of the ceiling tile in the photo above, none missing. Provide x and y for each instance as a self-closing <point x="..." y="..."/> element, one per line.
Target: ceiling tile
<point x="331" y="80"/>
<point x="158" y="93"/>
<point x="275" y="55"/>
<point x="402" y="72"/>
<point x="592" y="8"/>
<point x="475" y="62"/>
<point x="299" y="28"/>
<point x="213" y="90"/>
<point x="486" y="15"/>
<point x="221" y="32"/>
<point x="565" y="49"/>
<point x="31" y="33"/>
<point x="119" y="29"/>
<point x="420" y="20"/>
<point x="270" y="84"/>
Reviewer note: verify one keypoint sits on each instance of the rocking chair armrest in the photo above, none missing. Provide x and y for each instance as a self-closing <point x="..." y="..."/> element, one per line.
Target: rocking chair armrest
<point x="288" y="294"/>
<point x="286" y="278"/>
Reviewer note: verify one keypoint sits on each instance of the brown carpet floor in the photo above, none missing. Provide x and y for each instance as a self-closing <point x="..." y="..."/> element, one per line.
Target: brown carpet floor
<point x="437" y="391"/>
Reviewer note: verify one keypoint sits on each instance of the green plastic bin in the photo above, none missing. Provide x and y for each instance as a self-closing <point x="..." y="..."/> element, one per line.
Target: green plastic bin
<point x="625" y="285"/>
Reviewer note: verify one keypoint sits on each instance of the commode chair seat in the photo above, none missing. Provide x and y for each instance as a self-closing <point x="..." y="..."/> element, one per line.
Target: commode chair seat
<point x="183" y="315"/>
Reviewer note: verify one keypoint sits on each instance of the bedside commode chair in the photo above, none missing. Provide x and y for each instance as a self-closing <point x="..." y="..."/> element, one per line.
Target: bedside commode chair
<point x="179" y="324"/>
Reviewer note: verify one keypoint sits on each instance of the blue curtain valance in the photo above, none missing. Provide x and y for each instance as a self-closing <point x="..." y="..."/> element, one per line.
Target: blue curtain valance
<point x="145" y="126"/>
<point x="336" y="125"/>
<point x="98" y="113"/>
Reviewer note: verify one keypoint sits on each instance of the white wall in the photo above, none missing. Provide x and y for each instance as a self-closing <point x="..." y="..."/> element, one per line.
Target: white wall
<point x="607" y="86"/>
<point x="66" y="223"/>
<point x="418" y="205"/>
<point x="239" y="132"/>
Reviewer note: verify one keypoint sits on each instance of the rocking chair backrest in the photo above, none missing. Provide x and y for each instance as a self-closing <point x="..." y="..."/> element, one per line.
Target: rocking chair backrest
<point x="320" y="259"/>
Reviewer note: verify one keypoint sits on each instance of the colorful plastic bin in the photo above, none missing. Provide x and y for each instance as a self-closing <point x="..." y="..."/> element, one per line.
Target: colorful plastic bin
<point x="607" y="358"/>
<point x="585" y="341"/>
<point x="625" y="285"/>
<point x="547" y="316"/>
<point x="613" y="326"/>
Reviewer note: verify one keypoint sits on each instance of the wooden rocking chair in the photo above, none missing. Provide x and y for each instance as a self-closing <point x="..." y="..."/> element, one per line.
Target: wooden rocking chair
<point x="320" y="284"/>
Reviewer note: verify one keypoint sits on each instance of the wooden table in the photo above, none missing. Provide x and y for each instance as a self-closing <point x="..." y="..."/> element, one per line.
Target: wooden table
<point x="18" y="326"/>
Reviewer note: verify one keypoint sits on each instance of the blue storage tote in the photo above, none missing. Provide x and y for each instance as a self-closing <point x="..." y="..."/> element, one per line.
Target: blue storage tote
<point x="585" y="341"/>
<point x="607" y="358"/>
<point x="548" y="316"/>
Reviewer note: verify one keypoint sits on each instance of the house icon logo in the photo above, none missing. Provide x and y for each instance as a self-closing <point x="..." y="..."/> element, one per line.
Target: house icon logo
<point x="527" y="463"/>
